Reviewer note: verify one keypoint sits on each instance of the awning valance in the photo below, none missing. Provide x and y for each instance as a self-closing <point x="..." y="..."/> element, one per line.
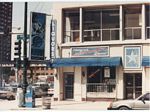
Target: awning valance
<point x="101" y="61"/>
<point x="146" y="61"/>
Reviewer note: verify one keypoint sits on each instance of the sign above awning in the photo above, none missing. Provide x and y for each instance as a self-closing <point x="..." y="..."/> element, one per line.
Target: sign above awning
<point x="101" y="61"/>
<point x="146" y="61"/>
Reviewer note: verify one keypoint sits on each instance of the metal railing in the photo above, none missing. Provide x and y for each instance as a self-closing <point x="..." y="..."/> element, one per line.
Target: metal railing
<point x="100" y="87"/>
<point x="133" y="33"/>
<point x="101" y="34"/>
<point x="71" y="36"/>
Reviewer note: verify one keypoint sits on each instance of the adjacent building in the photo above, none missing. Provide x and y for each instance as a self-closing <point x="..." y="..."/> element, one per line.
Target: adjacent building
<point x="5" y="29"/>
<point x="102" y="50"/>
<point x="5" y="39"/>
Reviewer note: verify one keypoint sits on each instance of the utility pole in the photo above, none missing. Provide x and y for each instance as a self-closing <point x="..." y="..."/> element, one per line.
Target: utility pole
<point x="25" y="59"/>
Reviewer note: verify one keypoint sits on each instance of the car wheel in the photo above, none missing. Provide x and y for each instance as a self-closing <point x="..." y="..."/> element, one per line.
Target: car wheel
<point x="11" y="98"/>
<point x="123" y="108"/>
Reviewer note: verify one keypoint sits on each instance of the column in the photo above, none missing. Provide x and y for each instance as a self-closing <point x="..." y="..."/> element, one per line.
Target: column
<point x="119" y="83"/>
<point x="80" y="25"/>
<point x="143" y="22"/>
<point x="77" y="84"/>
<point x="121" y="23"/>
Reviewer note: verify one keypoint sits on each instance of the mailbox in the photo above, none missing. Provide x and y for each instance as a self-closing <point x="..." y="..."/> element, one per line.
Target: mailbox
<point x="30" y="97"/>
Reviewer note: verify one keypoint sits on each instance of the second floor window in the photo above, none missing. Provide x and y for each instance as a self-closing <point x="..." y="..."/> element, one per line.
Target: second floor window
<point x="71" y="26"/>
<point x="100" y="24"/>
<point x="133" y="22"/>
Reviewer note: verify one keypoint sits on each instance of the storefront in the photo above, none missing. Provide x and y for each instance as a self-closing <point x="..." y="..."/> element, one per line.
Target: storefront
<point x="101" y="51"/>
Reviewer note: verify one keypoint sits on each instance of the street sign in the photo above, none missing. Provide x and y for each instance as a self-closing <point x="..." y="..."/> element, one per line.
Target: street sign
<point x="21" y="37"/>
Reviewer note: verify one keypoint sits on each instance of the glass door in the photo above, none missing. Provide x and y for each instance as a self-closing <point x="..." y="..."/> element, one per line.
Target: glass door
<point x="129" y="86"/>
<point x="133" y="85"/>
<point x="138" y="85"/>
<point x="68" y="85"/>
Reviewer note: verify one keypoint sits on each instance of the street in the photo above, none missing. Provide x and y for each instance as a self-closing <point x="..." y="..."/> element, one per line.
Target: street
<point x="58" y="105"/>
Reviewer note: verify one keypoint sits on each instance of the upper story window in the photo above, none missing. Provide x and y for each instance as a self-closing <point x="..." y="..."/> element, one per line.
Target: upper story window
<point x="100" y="25"/>
<point x="110" y="25"/>
<point x="148" y="21"/>
<point x="133" y="22"/>
<point x="71" y="25"/>
<point x="91" y="25"/>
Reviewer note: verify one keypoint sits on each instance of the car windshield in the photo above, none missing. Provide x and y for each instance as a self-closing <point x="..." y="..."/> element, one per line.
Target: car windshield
<point x="142" y="96"/>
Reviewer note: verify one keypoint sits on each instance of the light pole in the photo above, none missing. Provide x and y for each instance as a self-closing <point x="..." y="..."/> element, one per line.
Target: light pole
<point x="25" y="59"/>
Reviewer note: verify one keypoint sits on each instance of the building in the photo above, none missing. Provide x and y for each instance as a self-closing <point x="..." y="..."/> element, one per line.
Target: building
<point x="5" y="39"/>
<point x="5" y="29"/>
<point x="37" y="68"/>
<point x="102" y="50"/>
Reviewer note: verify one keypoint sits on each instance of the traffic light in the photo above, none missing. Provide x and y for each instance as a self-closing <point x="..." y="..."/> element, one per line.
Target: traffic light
<point x="18" y="49"/>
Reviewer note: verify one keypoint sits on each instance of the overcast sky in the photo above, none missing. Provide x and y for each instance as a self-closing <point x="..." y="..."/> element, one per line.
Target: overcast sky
<point x="18" y="12"/>
<point x="18" y="20"/>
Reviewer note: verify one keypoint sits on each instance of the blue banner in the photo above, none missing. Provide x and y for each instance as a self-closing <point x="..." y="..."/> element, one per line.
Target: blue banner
<point x="38" y="22"/>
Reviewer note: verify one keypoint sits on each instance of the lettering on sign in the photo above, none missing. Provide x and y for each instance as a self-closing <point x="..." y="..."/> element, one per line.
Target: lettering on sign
<point x="102" y="51"/>
<point x="53" y="40"/>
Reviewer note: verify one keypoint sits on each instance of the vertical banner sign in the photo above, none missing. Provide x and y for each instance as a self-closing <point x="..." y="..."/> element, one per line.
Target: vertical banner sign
<point x="38" y="21"/>
<point x="52" y="40"/>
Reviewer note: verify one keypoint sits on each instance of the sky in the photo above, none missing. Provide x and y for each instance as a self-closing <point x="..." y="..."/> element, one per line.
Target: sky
<point x="18" y="20"/>
<point x="18" y="12"/>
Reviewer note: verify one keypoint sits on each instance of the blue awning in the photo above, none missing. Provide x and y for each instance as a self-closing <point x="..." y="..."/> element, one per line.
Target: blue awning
<point x="146" y="61"/>
<point x="102" y="61"/>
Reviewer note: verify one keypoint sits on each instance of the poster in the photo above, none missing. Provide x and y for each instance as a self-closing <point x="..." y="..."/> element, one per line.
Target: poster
<point x="132" y="57"/>
<point x="107" y="72"/>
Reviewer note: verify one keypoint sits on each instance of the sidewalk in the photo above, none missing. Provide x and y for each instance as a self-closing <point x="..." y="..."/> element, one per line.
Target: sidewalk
<point x="57" y="105"/>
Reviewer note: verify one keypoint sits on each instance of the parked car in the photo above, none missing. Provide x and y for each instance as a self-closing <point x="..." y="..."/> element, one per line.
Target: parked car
<point x="6" y="93"/>
<point x="140" y="103"/>
<point x="40" y="89"/>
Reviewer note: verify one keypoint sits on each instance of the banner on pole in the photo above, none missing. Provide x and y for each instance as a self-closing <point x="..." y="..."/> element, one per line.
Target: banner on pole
<point x="37" y="40"/>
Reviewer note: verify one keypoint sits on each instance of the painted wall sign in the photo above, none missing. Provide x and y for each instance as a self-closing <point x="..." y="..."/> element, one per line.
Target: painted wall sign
<point x="53" y="39"/>
<point x="132" y="57"/>
<point x="38" y="21"/>
<point x="102" y="51"/>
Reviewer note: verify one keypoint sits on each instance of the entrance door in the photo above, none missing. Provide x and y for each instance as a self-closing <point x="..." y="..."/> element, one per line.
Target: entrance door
<point x="68" y="85"/>
<point x="133" y="85"/>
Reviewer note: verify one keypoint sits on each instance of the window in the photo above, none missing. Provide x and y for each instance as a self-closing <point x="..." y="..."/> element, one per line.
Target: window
<point x="147" y="97"/>
<point x="110" y="25"/>
<point x="71" y="26"/>
<point x="97" y="80"/>
<point x="91" y="25"/>
<point x="42" y="68"/>
<point x="100" y="24"/>
<point x="133" y="22"/>
<point x="148" y="21"/>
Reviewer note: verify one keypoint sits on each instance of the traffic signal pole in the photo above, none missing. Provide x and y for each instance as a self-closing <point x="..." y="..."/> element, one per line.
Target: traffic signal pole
<point x="18" y="60"/>
<point x="25" y="54"/>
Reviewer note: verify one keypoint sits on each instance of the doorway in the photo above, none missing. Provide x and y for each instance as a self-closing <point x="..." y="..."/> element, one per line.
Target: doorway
<point x="68" y="85"/>
<point x="133" y="85"/>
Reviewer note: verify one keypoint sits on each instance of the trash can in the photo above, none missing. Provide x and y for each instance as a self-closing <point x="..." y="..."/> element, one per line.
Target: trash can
<point x="19" y="96"/>
<point x="30" y="97"/>
<point x="46" y="102"/>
